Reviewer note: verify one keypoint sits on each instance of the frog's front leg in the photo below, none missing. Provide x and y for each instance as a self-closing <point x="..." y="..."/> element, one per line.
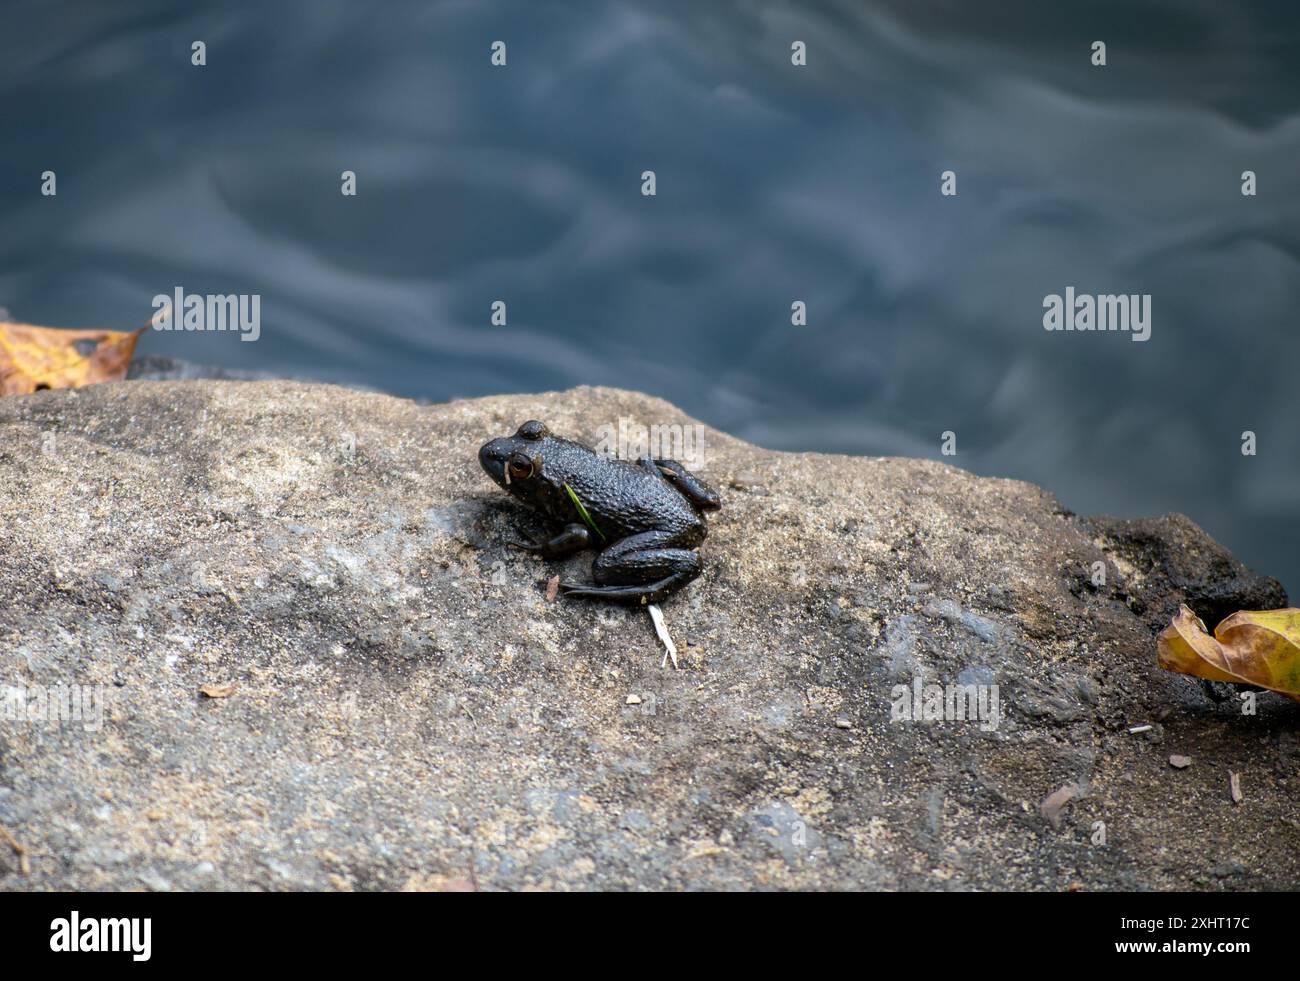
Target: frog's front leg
<point x="574" y="538"/>
<point x="642" y="568"/>
<point x="688" y="485"/>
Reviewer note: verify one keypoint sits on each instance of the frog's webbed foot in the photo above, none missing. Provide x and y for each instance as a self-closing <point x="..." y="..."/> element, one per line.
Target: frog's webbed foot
<point x="642" y="569"/>
<point x="574" y="538"/>
<point x="704" y="497"/>
<point x="655" y="592"/>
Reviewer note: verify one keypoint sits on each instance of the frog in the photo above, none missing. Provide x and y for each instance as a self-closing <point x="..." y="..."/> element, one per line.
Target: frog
<point x="645" y="519"/>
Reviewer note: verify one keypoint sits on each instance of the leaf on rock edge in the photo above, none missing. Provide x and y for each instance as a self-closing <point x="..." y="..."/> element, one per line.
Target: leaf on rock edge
<point x="34" y="357"/>
<point x="1250" y="648"/>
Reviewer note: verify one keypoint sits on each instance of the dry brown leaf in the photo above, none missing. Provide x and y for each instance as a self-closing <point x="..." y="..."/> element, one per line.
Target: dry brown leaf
<point x="32" y="358"/>
<point x="217" y="691"/>
<point x="1051" y="805"/>
<point x="1248" y="648"/>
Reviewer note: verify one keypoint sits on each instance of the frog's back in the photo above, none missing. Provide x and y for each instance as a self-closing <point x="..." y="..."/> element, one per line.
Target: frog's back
<point x="623" y="498"/>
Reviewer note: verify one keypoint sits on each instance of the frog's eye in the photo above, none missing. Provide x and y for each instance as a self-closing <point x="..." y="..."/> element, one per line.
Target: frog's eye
<point x="533" y="429"/>
<point x="519" y="467"/>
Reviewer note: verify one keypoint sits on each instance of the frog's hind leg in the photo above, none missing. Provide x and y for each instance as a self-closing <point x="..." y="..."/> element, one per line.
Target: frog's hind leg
<point x="642" y="568"/>
<point x="655" y="592"/>
<point x="688" y="485"/>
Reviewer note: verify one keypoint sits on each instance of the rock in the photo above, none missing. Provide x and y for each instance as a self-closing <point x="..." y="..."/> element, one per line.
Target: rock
<point x="408" y="711"/>
<point x="1166" y="561"/>
<point x="152" y="367"/>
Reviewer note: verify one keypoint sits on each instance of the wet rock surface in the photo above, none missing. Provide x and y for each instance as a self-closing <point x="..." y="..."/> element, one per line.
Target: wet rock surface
<point x="409" y="711"/>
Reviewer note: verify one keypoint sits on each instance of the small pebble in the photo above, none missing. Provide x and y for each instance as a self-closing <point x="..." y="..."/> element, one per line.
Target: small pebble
<point x="843" y="724"/>
<point x="1180" y="762"/>
<point x="633" y="699"/>
<point x="1053" y="803"/>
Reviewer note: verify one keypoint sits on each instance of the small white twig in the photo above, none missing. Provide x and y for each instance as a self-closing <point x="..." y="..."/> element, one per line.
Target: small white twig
<point x="661" y="628"/>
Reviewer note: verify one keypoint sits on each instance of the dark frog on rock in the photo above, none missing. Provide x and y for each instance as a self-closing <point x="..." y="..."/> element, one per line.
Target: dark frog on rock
<point x="645" y="517"/>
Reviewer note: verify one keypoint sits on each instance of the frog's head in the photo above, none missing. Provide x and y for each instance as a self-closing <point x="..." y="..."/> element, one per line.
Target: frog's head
<point x="515" y="463"/>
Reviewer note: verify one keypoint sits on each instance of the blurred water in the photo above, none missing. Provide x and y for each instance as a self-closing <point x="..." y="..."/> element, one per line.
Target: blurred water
<point x="775" y="183"/>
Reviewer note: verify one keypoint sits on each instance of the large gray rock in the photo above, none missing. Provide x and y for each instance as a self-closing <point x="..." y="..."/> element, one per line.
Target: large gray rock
<point x="408" y="705"/>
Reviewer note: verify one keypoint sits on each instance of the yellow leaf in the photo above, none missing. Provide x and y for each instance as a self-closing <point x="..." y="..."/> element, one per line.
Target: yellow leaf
<point x="1249" y="648"/>
<point x="33" y="357"/>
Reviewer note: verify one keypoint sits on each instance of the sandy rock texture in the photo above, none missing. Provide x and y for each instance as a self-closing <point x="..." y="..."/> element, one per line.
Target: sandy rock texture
<point x="399" y="706"/>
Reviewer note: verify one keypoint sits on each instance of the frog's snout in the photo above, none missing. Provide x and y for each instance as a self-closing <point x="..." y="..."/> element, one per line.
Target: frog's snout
<point x="492" y="458"/>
